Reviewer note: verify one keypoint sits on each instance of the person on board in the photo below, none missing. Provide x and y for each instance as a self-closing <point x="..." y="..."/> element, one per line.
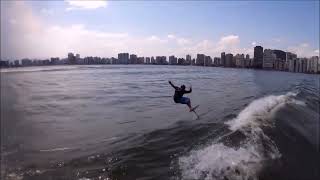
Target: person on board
<point x="178" y="95"/>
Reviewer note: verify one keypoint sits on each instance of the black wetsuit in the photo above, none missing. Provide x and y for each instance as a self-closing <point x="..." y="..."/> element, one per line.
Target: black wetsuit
<point x="178" y="94"/>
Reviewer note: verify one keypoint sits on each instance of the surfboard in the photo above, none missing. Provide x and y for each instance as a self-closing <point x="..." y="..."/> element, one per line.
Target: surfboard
<point x="194" y="108"/>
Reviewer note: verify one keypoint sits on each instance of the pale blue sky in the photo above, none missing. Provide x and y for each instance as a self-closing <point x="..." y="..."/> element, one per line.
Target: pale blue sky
<point x="179" y="27"/>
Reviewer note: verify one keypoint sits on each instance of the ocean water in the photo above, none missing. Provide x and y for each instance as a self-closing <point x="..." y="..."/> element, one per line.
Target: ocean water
<point x="120" y="122"/>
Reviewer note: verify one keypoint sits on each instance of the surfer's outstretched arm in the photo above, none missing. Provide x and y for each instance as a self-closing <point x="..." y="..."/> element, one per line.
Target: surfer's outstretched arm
<point x="175" y="87"/>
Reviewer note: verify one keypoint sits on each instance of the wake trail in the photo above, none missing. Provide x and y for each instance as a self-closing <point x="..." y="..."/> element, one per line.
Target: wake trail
<point x="245" y="161"/>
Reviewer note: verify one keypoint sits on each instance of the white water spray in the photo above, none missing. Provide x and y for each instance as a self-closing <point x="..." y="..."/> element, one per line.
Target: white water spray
<point x="219" y="161"/>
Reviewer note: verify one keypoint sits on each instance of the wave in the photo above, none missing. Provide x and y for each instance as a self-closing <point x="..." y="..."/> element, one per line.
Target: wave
<point x="244" y="159"/>
<point x="38" y="69"/>
<point x="258" y="112"/>
<point x="55" y="149"/>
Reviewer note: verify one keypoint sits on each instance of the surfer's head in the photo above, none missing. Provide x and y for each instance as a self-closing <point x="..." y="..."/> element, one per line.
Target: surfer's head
<point x="183" y="87"/>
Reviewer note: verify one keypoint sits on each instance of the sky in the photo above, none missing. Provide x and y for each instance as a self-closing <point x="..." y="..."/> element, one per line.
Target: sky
<point x="44" y="29"/>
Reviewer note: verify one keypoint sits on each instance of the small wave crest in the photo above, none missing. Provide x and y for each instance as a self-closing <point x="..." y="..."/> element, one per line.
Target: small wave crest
<point x="55" y="149"/>
<point x="38" y="69"/>
<point x="257" y="112"/>
<point x="243" y="161"/>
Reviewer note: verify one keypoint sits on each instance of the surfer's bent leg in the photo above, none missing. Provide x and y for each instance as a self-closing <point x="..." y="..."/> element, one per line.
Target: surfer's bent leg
<point x="185" y="100"/>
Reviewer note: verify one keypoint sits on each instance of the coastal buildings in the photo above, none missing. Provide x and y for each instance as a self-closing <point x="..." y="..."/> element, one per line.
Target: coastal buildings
<point x="188" y="59"/>
<point x="216" y="61"/>
<point x="313" y="64"/>
<point x="240" y="61"/>
<point x="161" y="60"/>
<point x="71" y="58"/>
<point x="207" y="61"/>
<point x="133" y="59"/>
<point x="16" y="63"/>
<point x="140" y="60"/>
<point x="290" y="61"/>
<point x="173" y="60"/>
<point x="223" y="59"/>
<point x="181" y="61"/>
<point x="200" y="59"/>
<point x="153" y="61"/>
<point x="77" y="57"/>
<point x="4" y="64"/>
<point x="148" y="61"/>
<point x="229" y="60"/>
<point x="193" y="62"/>
<point x="269" y="59"/>
<point x="258" y="57"/>
<point x="54" y="61"/>
<point x="123" y="58"/>
<point x="248" y="62"/>
<point x="113" y="60"/>
<point x="280" y="61"/>
<point x="26" y="62"/>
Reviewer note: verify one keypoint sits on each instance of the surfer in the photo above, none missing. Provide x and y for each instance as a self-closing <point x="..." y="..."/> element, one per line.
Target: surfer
<point x="178" y="95"/>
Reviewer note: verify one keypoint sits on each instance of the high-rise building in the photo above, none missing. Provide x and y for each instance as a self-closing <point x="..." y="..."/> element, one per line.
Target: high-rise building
<point x="188" y="59"/>
<point x="114" y="60"/>
<point x="290" y="63"/>
<point x="107" y="60"/>
<point x="247" y="61"/>
<point x="269" y="59"/>
<point x="181" y="61"/>
<point x="16" y="63"/>
<point x="240" y="61"/>
<point x="148" y="61"/>
<point x="229" y="60"/>
<point x="258" y="57"/>
<point x="200" y="59"/>
<point x="280" y="62"/>
<point x="280" y="54"/>
<point x="172" y="60"/>
<point x="54" y="61"/>
<point x="4" y="64"/>
<point x="123" y="58"/>
<point x="133" y="59"/>
<point x="140" y="60"/>
<point x="153" y="61"/>
<point x="208" y="61"/>
<point x="161" y="60"/>
<point x="233" y="64"/>
<point x="305" y="64"/>
<point x="46" y="62"/>
<point x="71" y="58"/>
<point x="223" y="59"/>
<point x="193" y="62"/>
<point x="296" y="67"/>
<point x="299" y="65"/>
<point x="78" y="59"/>
<point x="217" y="61"/>
<point x="313" y="64"/>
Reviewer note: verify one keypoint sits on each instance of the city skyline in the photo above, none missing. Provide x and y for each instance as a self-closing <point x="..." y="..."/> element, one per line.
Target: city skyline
<point x="34" y="29"/>
<point x="268" y="59"/>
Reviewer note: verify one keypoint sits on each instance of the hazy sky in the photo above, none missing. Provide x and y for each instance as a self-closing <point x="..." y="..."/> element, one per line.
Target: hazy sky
<point x="42" y="29"/>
